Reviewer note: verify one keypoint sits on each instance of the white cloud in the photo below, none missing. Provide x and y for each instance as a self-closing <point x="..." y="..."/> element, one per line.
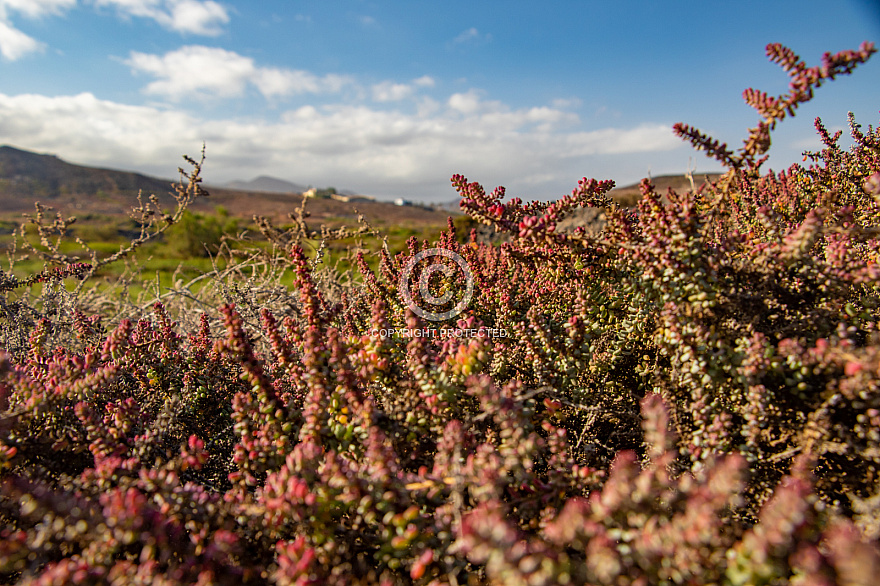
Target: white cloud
<point x="14" y="44"/>
<point x="471" y="35"/>
<point x="34" y="8"/>
<point x="104" y="132"/>
<point x="466" y="103"/>
<point x="196" y="70"/>
<point x="389" y="91"/>
<point x="199" y="17"/>
<point x="427" y="107"/>
<point x="614" y="141"/>
<point x="470" y="102"/>
<point x="382" y="152"/>
<point x="564" y="103"/>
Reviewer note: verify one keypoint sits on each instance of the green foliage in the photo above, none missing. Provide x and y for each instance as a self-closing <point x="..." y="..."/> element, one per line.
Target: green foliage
<point x="199" y="235"/>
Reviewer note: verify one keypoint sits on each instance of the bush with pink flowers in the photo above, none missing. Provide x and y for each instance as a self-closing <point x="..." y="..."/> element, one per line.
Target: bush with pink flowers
<point x="689" y="396"/>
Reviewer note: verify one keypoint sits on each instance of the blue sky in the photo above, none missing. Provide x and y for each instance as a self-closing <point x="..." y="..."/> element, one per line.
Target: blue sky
<point x="392" y="98"/>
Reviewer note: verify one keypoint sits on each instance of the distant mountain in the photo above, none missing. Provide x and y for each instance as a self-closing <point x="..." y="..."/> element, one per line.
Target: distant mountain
<point x="628" y="195"/>
<point x="593" y="219"/>
<point x="266" y="184"/>
<point x="46" y="176"/>
<point x="26" y="177"/>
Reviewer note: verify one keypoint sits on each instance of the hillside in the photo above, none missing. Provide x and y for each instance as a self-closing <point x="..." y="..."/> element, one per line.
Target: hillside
<point x="629" y="194"/>
<point x="246" y="204"/>
<point x="26" y="177"/>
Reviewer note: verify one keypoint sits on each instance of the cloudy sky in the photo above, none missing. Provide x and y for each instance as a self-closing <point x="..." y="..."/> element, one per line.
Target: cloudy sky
<point x="392" y="98"/>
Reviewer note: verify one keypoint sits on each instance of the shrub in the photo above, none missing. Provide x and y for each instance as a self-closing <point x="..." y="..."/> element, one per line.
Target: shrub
<point x="689" y="396"/>
<point x="198" y="235"/>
